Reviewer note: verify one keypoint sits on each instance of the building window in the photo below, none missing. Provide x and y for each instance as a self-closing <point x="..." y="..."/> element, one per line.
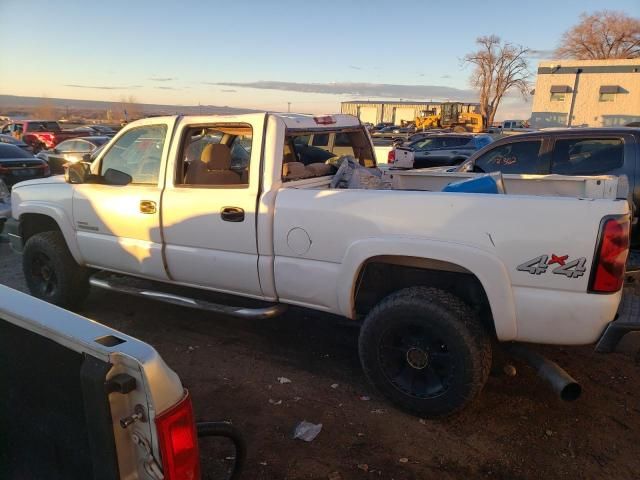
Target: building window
<point x="557" y="97"/>
<point x="607" y="97"/>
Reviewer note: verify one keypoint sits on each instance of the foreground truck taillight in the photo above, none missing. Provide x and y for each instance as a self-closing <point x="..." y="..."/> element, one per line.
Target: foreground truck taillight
<point x="611" y="255"/>
<point x="178" y="441"/>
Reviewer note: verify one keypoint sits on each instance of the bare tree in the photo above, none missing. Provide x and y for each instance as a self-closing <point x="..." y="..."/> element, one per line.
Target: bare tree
<point x="499" y="68"/>
<point x="602" y="35"/>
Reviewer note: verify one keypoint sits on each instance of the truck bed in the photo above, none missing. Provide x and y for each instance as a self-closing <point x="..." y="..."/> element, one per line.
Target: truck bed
<point x="604" y="186"/>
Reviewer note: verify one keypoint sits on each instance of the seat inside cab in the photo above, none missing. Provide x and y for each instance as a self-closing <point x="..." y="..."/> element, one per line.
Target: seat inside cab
<point x="319" y="153"/>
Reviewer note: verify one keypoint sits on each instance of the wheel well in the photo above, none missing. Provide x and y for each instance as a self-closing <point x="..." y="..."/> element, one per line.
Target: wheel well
<point x="380" y="276"/>
<point x="32" y="223"/>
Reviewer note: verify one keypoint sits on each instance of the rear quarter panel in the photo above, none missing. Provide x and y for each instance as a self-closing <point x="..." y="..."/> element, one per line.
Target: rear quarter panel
<point x="489" y="235"/>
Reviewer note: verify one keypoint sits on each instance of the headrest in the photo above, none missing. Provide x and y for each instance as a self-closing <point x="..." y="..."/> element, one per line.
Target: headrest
<point x="216" y="156"/>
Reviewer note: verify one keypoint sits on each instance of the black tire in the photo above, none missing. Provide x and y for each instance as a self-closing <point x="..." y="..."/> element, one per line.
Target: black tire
<point x="51" y="272"/>
<point x="425" y="350"/>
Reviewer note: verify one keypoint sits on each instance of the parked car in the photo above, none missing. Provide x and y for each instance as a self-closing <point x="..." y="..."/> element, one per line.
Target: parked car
<point x="14" y="141"/>
<point x="17" y="165"/>
<point x="443" y="149"/>
<point x="96" y="130"/>
<point x="379" y="126"/>
<point x="71" y="151"/>
<point x="567" y="151"/>
<point x="437" y="279"/>
<point x="511" y="126"/>
<point x="40" y="134"/>
<point x="5" y="204"/>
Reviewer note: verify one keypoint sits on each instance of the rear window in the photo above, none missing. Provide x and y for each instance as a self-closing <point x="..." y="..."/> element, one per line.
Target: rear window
<point x="301" y="160"/>
<point x="43" y="127"/>
<point x="11" y="151"/>
<point x="591" y="156"/>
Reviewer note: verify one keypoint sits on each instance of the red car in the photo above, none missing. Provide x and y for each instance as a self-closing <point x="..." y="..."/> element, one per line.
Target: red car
<point x="40" y="134"/>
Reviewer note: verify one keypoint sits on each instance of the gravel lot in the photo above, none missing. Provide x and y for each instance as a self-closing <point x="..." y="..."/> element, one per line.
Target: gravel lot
<point x="517" y="429"/>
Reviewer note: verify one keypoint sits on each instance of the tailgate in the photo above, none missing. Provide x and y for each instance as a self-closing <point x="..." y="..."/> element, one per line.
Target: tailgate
<point x="67" y="382"/>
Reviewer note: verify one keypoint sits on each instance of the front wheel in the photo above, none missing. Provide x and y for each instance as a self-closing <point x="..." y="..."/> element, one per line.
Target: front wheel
<point x="425" y="350"/>
<point x="51" y="273"/>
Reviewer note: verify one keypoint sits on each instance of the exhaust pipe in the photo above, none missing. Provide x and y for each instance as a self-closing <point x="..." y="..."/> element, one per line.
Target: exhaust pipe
<point x="558" y="379"/>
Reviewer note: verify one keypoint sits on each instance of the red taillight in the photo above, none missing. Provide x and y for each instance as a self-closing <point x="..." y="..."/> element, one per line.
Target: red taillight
<point x="391" y="157"/>
<point x="611" y="257"/>
<point x="47" y="139"/>
<point x="178" y="441"/>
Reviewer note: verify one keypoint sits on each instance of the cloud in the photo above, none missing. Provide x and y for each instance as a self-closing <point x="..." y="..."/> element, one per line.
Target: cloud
<point x="445" y="76"/>
<point x="371" y="90"/>
<point x="162" y="79"/>
<point x="354" y="67"/>
<point x="165" y="88"/>
<point x="212" y="83"/>
<point x="228" y="90"/>
<point x="541" y="54"/>
<point x="103" y="87"/>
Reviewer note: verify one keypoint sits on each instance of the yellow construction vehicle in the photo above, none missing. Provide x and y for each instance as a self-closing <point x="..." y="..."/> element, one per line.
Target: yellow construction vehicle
<point x="452" y="115"/>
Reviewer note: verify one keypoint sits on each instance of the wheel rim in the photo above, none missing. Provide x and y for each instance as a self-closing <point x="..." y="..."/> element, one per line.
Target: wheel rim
<point x="416" y="361"/>
<point x="44" y="275"/>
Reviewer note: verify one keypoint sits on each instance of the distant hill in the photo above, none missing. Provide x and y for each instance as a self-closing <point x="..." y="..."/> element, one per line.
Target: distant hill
<point x="15" y="106"/>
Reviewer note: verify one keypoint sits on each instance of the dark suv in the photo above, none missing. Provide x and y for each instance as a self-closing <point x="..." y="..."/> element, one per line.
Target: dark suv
<point x="567" y="151"/>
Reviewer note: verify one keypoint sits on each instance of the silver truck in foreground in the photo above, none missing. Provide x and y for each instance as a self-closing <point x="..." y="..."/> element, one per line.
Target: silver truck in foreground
<point x="83" y="401"/>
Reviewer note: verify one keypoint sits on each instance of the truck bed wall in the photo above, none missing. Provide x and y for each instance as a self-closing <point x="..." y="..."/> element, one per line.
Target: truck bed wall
<point x="323" y="236"/>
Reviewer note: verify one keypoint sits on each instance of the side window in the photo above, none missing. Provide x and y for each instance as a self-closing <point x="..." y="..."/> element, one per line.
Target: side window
<point x="67" y="146"/>
<point x="82" y="146"/>
<point x="342" y="140"/>
<point x="320" y="140"/>
<point x="137" y="153"/>
<point x="587" y="156"/>
<point x="517" y="157"/>
<point x="217" y="155"/>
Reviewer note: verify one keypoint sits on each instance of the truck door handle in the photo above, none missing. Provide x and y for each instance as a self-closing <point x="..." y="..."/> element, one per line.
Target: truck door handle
<point x="232" y="214"/>
<point x="147" y="206"/>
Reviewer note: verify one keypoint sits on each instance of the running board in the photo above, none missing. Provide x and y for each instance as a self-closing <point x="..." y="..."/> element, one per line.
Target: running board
<point x="109" y="281"/>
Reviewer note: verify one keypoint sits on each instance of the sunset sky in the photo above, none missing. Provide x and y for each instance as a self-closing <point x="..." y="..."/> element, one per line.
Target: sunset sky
<point x="264" y="54"/>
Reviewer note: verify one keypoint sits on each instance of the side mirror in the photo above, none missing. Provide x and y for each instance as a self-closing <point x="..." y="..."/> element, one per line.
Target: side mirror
<point x="76" y="172"/>
<point x="116" y="177"/>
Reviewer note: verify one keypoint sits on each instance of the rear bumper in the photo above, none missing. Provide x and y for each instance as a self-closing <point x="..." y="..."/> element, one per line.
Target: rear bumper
<point x="627" y="320"/>
<point x="12" y="229"/>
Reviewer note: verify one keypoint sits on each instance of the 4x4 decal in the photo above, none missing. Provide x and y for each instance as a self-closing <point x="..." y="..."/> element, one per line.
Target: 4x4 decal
<point x="570" y="269"/>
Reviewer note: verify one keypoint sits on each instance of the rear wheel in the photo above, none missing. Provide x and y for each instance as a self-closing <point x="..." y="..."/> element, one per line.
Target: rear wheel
<point x="51" y="273"/>
<point x="424" y="349"/>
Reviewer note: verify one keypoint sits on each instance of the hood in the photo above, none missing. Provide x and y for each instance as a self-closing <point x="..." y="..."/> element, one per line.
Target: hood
<point x="54" y="179"/>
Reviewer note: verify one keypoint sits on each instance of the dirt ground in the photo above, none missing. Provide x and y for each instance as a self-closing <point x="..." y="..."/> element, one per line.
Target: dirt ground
<point x="516" y="430"/>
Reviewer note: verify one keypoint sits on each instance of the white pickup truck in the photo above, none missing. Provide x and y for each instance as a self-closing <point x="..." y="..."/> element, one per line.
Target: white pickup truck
<point x="236" y="214"/>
